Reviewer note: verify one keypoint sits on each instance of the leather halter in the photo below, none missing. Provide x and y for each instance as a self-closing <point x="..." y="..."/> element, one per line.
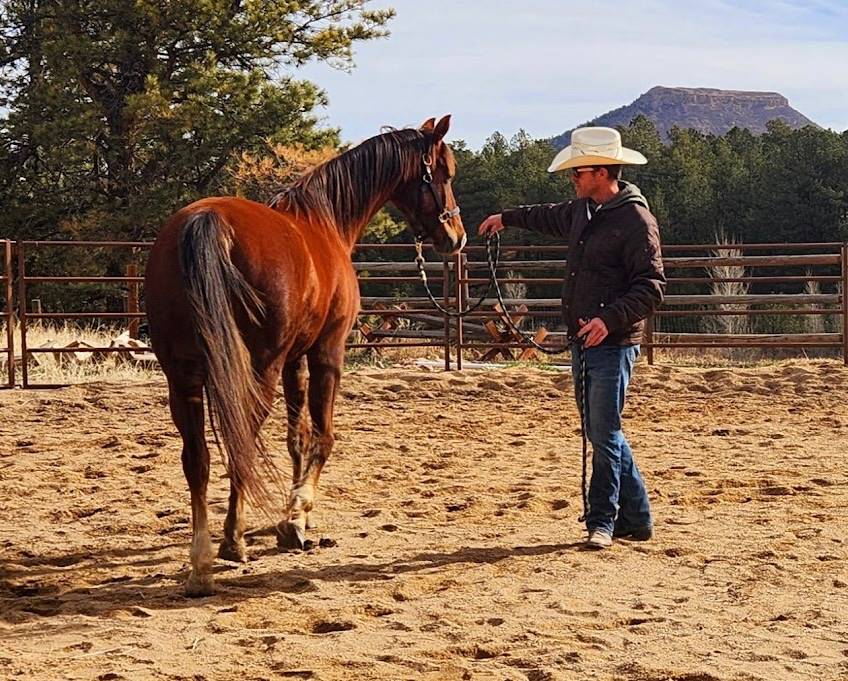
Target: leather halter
<point x="444" y="214"/>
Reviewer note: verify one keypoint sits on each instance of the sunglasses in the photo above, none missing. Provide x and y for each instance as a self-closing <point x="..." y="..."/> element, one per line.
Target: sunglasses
<point x="576" y="172"/>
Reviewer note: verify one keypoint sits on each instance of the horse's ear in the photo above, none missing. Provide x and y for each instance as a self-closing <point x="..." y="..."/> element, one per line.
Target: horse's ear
<point x="441" y="128"/>
<point x="427" y="126"/>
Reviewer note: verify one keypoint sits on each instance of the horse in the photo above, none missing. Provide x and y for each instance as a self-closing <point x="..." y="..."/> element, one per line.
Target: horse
<point x="238" y="294"/>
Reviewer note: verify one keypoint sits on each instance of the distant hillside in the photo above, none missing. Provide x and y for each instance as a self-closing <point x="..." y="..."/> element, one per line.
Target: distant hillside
<point x="705" y="109"/>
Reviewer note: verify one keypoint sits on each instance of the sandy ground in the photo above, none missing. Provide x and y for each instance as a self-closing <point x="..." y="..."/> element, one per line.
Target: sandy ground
<point x="450" y="506"/>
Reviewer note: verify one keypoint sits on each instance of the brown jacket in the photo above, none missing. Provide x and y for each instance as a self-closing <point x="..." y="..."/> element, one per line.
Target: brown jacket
<point x="614" y="269"/>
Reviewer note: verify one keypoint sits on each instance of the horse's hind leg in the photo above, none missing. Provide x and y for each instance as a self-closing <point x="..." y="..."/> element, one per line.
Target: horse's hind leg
<point x="324" y="372"/>
<point x="186" y="402"/>
<point x="233" y="546"/>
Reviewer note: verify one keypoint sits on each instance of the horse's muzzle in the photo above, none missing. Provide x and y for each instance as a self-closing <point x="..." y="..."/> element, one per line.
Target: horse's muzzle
<point x="452" y="241"/>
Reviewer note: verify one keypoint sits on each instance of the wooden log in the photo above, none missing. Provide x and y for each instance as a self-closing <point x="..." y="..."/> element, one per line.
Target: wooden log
<point x="139" y="353"/>
<point x="493" y="330"/>
<point x="440" y="321"/>
<point x="492" y="353"/>
<point x="497" y="336"/>
<point x="531" y="352"/>
<point x="81" y="357"/>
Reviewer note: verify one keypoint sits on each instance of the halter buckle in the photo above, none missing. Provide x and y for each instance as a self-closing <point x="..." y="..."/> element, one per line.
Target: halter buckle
<point x="427" y="160"/>
<point x="446" y="215"/>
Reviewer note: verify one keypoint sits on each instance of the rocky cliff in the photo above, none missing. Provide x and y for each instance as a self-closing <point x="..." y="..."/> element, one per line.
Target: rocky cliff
<point x="705" y="109"/>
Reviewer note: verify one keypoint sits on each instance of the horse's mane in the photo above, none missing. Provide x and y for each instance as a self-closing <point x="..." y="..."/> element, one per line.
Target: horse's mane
<point x="342" y="190"/>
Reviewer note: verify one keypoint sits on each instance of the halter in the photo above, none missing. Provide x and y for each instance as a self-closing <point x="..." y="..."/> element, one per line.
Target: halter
<point x="444" y="214"/>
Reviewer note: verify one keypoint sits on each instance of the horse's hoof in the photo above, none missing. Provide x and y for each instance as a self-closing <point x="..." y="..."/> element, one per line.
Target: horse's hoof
<point x="235" y="552"/>
<point x="290" y="537"/>
<point x="197" y="587"/>
<point x="311" y="523"/>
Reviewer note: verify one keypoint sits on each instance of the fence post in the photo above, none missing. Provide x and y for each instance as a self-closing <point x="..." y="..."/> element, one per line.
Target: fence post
<point x="460" y="275"/>
<point x="845" y="302"/>
<point x="132" y="300"/>
<point x="446" y="303"/>
<point x="10" y="318"/>
<point x="22" y="313"/>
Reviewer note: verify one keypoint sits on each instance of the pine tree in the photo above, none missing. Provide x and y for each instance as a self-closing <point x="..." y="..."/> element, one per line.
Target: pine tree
<point x="120" y="111"/>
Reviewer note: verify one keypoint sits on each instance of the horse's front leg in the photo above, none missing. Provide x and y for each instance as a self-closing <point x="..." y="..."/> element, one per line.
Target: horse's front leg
<point x="325" y="365"/>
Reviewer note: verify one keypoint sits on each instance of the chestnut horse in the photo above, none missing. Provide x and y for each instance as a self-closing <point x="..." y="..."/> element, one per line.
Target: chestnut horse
<point x="238" y="293"/>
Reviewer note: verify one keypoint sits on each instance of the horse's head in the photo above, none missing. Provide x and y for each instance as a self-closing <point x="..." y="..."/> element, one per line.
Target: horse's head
<point x="426" y="198"/>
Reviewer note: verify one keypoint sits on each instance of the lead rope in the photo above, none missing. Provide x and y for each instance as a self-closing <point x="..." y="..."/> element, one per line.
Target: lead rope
<point x="583" y="404"/>
<point x="419" y="261"/>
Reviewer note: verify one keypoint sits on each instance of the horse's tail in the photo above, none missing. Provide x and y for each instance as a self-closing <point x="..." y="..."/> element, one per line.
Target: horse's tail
<point x="216" y="290"/>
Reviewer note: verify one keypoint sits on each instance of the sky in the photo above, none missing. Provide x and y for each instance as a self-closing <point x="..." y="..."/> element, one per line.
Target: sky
<point x="546" y="66"/>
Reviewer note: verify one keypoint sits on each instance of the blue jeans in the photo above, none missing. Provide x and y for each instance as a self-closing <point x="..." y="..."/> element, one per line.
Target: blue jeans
<point x="617" y="494"/>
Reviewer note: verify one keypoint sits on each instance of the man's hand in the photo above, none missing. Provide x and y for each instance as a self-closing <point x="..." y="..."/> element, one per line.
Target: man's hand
<point x="592" y="332"/>
<point x="491" y="225"/>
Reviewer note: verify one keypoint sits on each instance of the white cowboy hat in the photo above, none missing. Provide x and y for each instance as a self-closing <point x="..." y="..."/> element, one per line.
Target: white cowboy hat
<point x="595" y="147"/>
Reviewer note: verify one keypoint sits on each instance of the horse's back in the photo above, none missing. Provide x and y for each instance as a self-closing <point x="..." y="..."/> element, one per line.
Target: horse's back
<point x="301" y="271"/>
<point x="258" y="232"/>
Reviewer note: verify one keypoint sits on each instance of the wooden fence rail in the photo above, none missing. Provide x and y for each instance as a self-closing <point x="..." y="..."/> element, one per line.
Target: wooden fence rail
<point x="396" y="313"/>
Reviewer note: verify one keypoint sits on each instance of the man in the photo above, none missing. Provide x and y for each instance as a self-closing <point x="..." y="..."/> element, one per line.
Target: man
<point x="613" y="280"/>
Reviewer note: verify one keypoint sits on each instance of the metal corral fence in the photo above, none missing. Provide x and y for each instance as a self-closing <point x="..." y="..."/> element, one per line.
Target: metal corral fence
<point x="707" y="286"/>
<point x="7" y="315"/>
<point x="803" y="306"/>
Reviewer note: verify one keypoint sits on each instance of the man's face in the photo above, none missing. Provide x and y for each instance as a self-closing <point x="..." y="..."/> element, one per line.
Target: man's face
<point x="587" y="181"/>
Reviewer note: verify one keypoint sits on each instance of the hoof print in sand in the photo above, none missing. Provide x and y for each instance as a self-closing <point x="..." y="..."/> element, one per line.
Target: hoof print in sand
<point x="331" y="627"/>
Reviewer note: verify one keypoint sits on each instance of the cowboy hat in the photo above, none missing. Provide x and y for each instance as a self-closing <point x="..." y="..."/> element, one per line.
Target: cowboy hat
<point x="595" y="146"/>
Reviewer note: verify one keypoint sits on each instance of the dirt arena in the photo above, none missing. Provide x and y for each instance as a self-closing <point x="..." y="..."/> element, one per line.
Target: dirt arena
<point x="450" y="543"/>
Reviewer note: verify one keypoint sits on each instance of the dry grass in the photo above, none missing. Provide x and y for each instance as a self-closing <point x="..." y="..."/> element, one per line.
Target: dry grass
<point x="721" y="358"/>
<point x="728" y="324"/>
<point x="84" y="367"/>
<point x="815" y="323"/>
<point x="78" y="367"/>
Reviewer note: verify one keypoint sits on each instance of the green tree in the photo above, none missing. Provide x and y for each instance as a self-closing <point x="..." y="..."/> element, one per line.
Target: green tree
<point x="506" y="173"/>
<point x="652" y="178"/>
<point x="691" y="198"/>
<point x="804" y="184"/>
<point x="120" y="111"/>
